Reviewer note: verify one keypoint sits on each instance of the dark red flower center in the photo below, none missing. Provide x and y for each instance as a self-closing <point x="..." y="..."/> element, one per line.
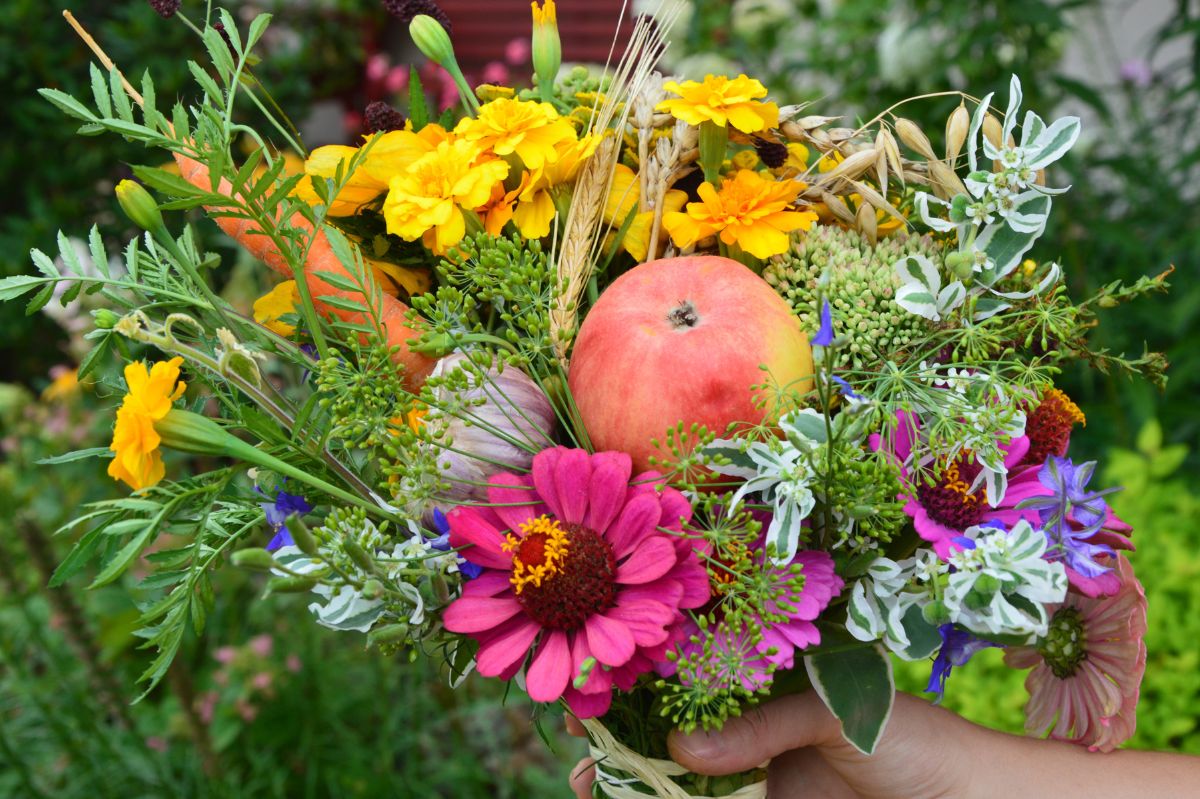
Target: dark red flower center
<point x="949" y="500"/>
<point x="562" y="573"/>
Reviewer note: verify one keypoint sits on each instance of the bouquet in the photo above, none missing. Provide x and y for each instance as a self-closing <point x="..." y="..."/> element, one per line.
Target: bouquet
<point x="649" y="395"/>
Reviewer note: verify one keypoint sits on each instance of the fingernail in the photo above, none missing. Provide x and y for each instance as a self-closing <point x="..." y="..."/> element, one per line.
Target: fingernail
<point x="698" y="745"/>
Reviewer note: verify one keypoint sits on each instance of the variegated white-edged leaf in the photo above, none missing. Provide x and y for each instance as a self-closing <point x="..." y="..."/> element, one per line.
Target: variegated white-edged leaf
<point x="987" y="306"/>
<point x="973" y="134"/>
<point x="917" y="300"/>
<point x="1014" y="106"/>
<point x="922" y="201"/>
<point x="919" y="270"/>
<point x="1032" y="128"/>
<point x="857" y="687"/>
<point x="951" y="297"/>
<point x="1054" y="142"/>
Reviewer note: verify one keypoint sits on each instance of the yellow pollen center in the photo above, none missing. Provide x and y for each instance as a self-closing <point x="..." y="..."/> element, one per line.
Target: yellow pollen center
<point x="1068" y="405"/>
<point x="955" y="483"/>
<point x="539" y="552"/>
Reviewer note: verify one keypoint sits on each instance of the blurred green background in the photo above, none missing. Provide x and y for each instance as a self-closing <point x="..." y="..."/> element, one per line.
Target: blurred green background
<point x="265" y="703"/>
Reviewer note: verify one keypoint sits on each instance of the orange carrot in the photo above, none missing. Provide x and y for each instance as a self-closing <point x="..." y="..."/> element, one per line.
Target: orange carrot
<point x="321" y="258"/>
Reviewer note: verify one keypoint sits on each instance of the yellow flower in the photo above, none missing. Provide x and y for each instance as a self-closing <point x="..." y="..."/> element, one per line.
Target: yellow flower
<point x="623" y="195"/>
<point x="275" y="303"/>
<point x="797" y="157"/>
<point x="360" y="189"/>
<point x="535" y="203"/>
<point x="426" y="201"/>
<point x="393" y="152"/>
<point x="748" y="211"/>
<point x="828" y="162"/>
<point x="135" y="441"/>
<point x="722" y="100"/>
<point x="394" y="278"/>
<point x="498" y="210"/>
<point x="64" y="385"/>
<point x="744" y="159"/>
<point x="529" y="129"/>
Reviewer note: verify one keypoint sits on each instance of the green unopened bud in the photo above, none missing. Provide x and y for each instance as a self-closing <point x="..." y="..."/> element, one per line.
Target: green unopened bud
<point x="359" y="555"/>
<point x="547" y="47"/>
<point x="388" y="634"/>
<point x="105" y="319"/>
<point x="1107" y="302"/>
<point x="138" y="205"/>
<point x="256" y="558"/>
<point x="190" y="432"/>
<point x="290" y="585"/>
<point x="372" y="589"/>
<point x="714" y="139"/>
<point x="431" y="39"/>
<point x="988" y="584"/>
<point x="439" y="345"/>
<point x="301" y="534"/>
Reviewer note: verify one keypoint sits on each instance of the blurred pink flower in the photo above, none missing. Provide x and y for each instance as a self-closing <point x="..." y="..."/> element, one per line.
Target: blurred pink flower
<point x="206" y="705"/>
<point x="377" y="67"/>
<point x="294" y="664"/>
<point x="516" y="52"/>
<point x="225" y="654"/>
<point x="495" y="72"/>
<point x="157" y="743"/>
<point x="262" y="645"/>
<point x="262" y="680"/>
<point x="247" y="711"/>
<point x="397" y="80"/>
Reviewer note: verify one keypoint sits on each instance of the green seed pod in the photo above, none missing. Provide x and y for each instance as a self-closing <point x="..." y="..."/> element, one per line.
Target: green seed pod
<point x="256" y="559"/>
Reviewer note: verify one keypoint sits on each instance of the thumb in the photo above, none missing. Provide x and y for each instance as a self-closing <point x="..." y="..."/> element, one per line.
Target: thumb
<point x="762" y="733"/>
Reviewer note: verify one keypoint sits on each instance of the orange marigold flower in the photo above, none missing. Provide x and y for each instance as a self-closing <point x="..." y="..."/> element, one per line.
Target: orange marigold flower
<point x="152" y="392"/>
<point x="748" y="211"/>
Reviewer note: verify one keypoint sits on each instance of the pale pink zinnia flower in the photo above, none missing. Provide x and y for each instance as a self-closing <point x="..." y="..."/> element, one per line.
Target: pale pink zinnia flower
<point x="1088" y="669"/>
<point x="581" y="569"/>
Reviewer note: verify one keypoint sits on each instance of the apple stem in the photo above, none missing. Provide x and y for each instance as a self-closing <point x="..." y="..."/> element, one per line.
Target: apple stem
<point x="683" y="315"/>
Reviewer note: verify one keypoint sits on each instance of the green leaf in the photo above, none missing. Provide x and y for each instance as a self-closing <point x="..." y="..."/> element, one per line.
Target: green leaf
<point x="15" y="286"/>
<point x="418" y="110"/>
<point x="127" y="554"/>
<point x="67" y="104"/>
<point x="339" y="281"/>
<point x="923" y="638"/>
<point x="100" y="91"/>
<point x="79" y="555"/>
<point x="39" y="300"/>
<point x="857" y="687"/>
<point x="120" y="100"/>
<point x="77" y="455"/>
<point x="167" y="182"/>
<point x="257" y="27"/>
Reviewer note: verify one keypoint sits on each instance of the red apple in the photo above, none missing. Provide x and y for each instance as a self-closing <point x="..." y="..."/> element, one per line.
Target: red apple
<point x="681" y="340"/>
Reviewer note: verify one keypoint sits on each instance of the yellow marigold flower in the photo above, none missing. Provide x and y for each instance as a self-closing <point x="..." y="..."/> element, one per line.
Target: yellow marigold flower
<point x="797" y="157"/>
<point x="275" y="303"/>
<point x="360" y="189"/>
<point x="152" y="392"/>
<point x="426" y="201"/>
<point x="394" y="278"/>
<point x="722" y="100"/>
<point x="830" y="161"/>
<point x="748" y="211"/>
<point x="393" y="152"/>
<point x="529" y="129"/>
<point x="623" y="195"/>
<point x="535" y="203"/>
<point x="744" y="159"/>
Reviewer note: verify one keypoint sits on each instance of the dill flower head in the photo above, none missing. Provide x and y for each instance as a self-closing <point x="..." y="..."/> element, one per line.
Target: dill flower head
<point x="427" y="200"/>
<point x="722" y="100"/>
<point x="152" y="392"/>
<point x="531" y="130"/>
<point x="860" y="286"/>
<point x="748" y="211"/>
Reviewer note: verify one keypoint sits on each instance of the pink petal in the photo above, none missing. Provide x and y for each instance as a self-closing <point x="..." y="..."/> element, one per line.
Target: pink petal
<point x="667" y="592"/>
<point x="637" y="520"/>
<point x="676" y="510"/>
<point x="653" y="558"/>
<point x="489" y="583"/>
<point x="471" y="614"/>
<point x="692" y="579"/>
<point x="506" y="647"/>
<point x="646" y="623"/>
<point x="572" y="476"/>
<point x="611" y="641"/>
<point x="544" y="467"/>
<point x="483" y="542"/>
<point x="513" y="499"/>
<point x="610" y="476"/>
<point x="1015" y="450"/>
<point x="801" y="633"/>
<point x="599" y="680"/>
<point x="588" y="706"/>
<point x="547" y="677"/>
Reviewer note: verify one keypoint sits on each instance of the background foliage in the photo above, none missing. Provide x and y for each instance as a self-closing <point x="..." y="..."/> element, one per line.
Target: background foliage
<point x="266" y="703"/>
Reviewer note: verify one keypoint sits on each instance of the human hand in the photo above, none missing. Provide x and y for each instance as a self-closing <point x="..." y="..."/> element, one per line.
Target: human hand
<point x="926" y="752"/>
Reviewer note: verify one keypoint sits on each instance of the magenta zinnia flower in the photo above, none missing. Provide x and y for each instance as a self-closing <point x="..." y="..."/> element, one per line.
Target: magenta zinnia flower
<point x="580" y="568"/>
<point x="943" y="508"/>
<point x="787" y="624"/>
<point x="1088" y="669"/>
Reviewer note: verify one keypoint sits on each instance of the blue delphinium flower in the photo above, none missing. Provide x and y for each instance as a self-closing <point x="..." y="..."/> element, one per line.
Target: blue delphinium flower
<point x="958" y="646"/>
<point x="1072" y="514"/>
<point x="285" y="505"/>
<point x="824" y="336"/>
<point x="468" y="569"/>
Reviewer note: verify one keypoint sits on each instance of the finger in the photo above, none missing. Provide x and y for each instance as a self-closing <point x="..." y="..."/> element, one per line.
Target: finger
<point x="582" y="777"/>
<point x="804" y="773"/>
<point x="762" y="733"/>
<point x="574" y="726"/>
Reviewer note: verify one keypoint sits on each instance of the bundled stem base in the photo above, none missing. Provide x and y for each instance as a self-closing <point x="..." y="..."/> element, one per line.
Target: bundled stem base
<point x="622" y="773"/>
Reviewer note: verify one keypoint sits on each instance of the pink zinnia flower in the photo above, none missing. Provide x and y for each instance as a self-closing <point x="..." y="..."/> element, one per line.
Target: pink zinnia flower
<point x="1088" y="669"/>
<point x="787" y="626"/>
<point x="580" y="568"/>
<point x="943" y="508"/>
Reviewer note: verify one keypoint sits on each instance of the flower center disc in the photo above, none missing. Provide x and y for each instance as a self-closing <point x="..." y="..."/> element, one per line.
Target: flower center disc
<point x="1064" y="647"/>
<point x="562" y="574"/>
<point x="949" y="499"/>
